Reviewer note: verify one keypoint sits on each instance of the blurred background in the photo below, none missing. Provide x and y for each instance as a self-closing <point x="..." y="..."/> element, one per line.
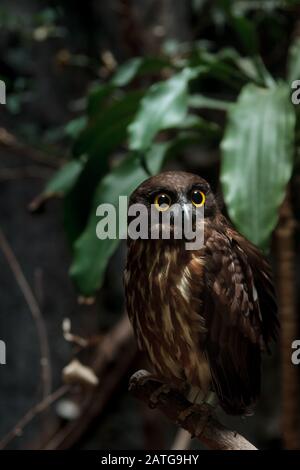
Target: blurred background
<point x="101" y="94"/>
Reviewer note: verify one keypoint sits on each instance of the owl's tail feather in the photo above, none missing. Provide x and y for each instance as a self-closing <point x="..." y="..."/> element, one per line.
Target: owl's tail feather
<point x="237" y="385"/>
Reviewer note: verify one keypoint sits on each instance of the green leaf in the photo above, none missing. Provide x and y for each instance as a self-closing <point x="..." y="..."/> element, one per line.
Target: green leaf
<point x="90" y="141"/>
<point x="97" y="96"/>
<point x="207" y="130"/>
<point x="65" y="178"/>
<point x="164" y="106"/>
<point x="257" y="159"/>
<point x="126" y="72"/>
<point x="91" y="255"/>
<point x="76" y="126"/>
<point x="105" y="133"/>
<point x="123" y="76"/>
<point x="201" y="101"/>
<point x="220" y="66"/>
<point x="136" y="66"/>
<point x="60" y="184"/>
<point x="294" y="61"/>
<point x="263" y="72"/>
<point x="246" y="32"/>
<point x="228" y="66"/>
<point x="244" y="28"/>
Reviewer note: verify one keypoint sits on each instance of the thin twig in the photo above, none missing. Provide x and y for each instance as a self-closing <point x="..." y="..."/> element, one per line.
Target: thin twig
<point x="34" y="172"/>
<point x="32" y="413"/>
<point x="35" y="312"/>
<point x="199" y="422"/>
<point x="10" y="141"/>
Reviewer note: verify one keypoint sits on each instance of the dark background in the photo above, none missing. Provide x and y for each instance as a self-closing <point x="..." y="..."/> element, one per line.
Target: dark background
<point x="50" y="53"/>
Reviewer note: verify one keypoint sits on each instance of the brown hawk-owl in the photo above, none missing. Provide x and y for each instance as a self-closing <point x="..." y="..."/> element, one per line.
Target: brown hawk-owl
<point x="202" y="316"/>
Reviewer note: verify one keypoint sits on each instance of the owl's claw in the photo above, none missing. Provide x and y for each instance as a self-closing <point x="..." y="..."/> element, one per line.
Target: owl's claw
<point x="185" y="414"/>
<point x="203" y="418"/>
<point x="164" y="389"/>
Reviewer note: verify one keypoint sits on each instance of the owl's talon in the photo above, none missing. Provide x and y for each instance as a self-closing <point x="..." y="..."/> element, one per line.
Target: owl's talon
<point x="155" y="396"/>
<point x="203" y="419"/>
<point x="186" y="413"/>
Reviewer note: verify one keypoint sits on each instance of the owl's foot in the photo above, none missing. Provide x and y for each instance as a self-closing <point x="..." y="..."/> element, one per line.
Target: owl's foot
<point x="164" y="389"/>
<point x="204" y="413"/>
<point x="143" y="377"/>
<point x="187" y="412"/>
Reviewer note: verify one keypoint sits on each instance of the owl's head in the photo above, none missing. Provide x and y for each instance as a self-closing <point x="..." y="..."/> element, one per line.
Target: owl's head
<point x="173" y="191"/>
<point x="176" y="187"/>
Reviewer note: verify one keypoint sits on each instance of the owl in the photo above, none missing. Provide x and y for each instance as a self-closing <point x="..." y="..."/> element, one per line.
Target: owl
<point x="203" y="316"/>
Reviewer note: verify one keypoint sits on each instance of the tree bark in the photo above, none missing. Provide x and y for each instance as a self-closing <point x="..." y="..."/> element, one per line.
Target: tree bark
<point x="289" y="327"/>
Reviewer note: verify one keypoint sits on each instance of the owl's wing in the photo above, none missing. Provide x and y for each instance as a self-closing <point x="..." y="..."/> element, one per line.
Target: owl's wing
<point x="240" y="314"/>
<point x="263" y="281"/>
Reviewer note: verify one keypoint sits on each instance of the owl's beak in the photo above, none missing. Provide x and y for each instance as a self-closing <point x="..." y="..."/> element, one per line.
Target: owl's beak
<point x="182" y="212"/>
<point x="187" y="212"/>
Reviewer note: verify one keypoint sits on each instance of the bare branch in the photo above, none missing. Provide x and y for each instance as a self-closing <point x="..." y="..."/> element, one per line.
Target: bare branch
<point x="10" y="141"/>
<point x="35" y="312"/>
<point x="31" y="414"/>
<point x="201" y="423"/>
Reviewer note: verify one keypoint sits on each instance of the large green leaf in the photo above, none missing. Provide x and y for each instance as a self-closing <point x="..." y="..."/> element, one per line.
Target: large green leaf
<point x="91" y="255"/>
<point x="257" y="159"/>
<point x="105" y="133"/>
<point x="107" y="120"/>
<point x="164" y="106"/>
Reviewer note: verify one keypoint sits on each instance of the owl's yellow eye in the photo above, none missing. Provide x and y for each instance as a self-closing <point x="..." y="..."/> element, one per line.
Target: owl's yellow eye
<point x="162" y="202"/>
<point x="198" y="198"/>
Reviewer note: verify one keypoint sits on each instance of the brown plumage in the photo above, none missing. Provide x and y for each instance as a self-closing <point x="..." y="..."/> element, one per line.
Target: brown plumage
<point x="202" y="316"/>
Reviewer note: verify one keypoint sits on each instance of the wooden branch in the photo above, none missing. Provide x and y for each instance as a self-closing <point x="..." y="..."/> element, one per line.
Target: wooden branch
<point x="201" y="424"/>
<point x="182" y="440"/>
<point x="113" y="357"/>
